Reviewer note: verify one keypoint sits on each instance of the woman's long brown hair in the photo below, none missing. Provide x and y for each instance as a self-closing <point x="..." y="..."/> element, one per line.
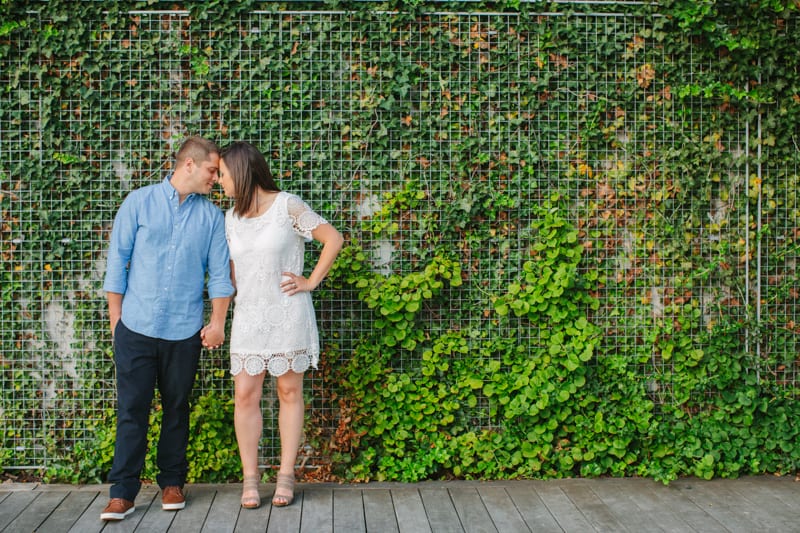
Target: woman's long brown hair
<point x="250" y="172"/>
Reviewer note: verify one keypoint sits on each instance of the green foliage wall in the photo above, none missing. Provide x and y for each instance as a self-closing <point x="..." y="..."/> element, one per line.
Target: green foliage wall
<point x="571" y="228"/>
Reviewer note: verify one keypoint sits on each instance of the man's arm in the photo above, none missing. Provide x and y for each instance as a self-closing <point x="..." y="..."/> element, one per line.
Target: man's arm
<point x="120" y="250"/>
<point x="114" y="309"/>
<point x="213" y="334"/>
<point x="220" y="286"/>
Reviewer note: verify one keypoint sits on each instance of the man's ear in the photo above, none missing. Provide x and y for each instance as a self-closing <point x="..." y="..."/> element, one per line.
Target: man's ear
<point x="189" y="164"/>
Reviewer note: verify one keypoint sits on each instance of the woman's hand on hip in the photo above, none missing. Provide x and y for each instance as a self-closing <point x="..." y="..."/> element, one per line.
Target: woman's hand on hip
<point x="292" y="284"/>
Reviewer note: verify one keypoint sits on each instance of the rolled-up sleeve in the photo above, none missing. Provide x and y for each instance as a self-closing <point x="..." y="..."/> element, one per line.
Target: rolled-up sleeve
<point x="219" y="267"/>
<point x="123" y="237"/>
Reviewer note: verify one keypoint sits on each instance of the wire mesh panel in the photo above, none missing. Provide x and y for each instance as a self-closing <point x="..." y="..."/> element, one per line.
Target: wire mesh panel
<point x="22" y="409"/>
<point x="387" y="125"/>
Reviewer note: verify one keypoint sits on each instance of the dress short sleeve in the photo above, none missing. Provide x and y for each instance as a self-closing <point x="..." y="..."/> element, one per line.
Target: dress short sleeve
<point x="304" y="219"/>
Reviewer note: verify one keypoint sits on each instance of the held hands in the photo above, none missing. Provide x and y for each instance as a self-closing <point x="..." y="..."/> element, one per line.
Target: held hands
<point x="212" y="336"/>
<point x="291" y="284"/>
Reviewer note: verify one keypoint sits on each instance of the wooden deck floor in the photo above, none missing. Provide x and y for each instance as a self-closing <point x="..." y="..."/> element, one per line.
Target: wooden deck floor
<point x="753" y="504"/>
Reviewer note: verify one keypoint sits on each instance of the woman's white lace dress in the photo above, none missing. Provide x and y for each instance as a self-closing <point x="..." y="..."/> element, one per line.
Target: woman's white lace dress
<point x="272" y="331"/>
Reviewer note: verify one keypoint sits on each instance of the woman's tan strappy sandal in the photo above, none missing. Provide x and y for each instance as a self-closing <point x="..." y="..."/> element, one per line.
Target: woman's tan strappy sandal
<point x="285" y="483"/>
<point x="250" y="497"/>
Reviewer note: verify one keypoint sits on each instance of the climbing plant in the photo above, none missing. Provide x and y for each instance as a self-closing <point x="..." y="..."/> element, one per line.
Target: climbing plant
<point x="571" y="228"/>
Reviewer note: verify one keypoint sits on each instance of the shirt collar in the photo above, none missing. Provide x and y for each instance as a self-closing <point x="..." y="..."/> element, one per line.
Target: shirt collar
<point x="172" y="192"/>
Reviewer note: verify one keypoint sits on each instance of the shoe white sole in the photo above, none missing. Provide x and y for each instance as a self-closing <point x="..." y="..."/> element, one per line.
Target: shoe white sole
<point x="116" y="516"/>
<point x="173" y="506"/>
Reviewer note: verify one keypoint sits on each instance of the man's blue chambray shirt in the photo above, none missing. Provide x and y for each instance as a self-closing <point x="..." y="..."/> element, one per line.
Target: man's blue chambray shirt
<point x="158" y="258"/>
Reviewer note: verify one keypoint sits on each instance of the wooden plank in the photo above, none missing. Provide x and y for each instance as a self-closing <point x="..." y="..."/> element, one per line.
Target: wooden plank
<point x="654" y="514"/>
<point x="379" y="515"/>
<point x="593" y="509"/>
<point x="148" y="516"/>
<point x="471" y="510"/>
<point x="348" y="511"/>
<point x="287" y="519"/>
<point x="317" y="510"/>
<point x="671" y="499"/>
<point x="502" y="510"/>
<point x="31" y="516"/>
<point x="89" y="521"/>
<point x="442" y="514"/>
<point x="14" y="505"/>
<point x="224" y="510"/>
<point x="532" y="509"/>
<point x="254" y="520"/>
<point x="19" y="487"/>
<point x="409" y="510"/>
<point x="728" y="508"/>
<point x="567" y="515"/>
<point x="68" y="512"/>
<point x="199" y="499"/>
<point x="622" y="506"/>
<point x="784" y="490"/>
<point x="767" y="510"/>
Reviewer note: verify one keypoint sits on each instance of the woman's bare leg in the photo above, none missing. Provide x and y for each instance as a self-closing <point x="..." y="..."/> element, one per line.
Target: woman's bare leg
<point x="290" y="423"/>
<point x="247" y="419"/>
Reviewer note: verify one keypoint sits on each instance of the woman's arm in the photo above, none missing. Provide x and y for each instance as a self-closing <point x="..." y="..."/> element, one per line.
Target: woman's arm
<point x="332" y="242"/>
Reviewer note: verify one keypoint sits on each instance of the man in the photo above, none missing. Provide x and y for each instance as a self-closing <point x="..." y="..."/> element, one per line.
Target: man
<point x="166" y="239"/>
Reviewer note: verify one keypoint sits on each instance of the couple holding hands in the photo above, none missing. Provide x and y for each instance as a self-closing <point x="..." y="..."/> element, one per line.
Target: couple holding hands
<point x="169" y="244"/>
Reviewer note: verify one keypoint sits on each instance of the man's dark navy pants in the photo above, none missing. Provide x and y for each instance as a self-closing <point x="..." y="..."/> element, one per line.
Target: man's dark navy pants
<point x="142" y="364"/>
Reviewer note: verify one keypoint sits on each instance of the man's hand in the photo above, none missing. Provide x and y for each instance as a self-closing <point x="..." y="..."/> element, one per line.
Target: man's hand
<point x="114" y="310"/>
<point x="213" y="336"/>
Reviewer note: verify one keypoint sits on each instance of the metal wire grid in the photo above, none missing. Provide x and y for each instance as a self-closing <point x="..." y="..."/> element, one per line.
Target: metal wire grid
<point x="305" y="155"/>
<point x="21" y="409"/>
<point x="636" y="285"/>
<point x="720" y="285"/>
<point x="598" y="175"/>
<point x="778" y="343"/>
<point x="776" y="218"/>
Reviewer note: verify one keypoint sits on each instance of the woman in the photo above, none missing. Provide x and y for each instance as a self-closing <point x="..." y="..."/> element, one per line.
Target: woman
<point x="274" y="328"/>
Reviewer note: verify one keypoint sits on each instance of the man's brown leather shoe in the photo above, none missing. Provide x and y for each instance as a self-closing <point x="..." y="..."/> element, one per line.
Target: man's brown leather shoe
<point x="117" y="509"/>
<point x="172" y="498"/>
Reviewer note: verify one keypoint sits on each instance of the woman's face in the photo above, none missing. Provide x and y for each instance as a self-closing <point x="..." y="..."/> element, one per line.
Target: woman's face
<point x="226" y="180"/>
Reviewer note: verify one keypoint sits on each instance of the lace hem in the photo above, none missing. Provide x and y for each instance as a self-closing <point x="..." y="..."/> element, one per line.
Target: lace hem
<point x="276" y="364"/>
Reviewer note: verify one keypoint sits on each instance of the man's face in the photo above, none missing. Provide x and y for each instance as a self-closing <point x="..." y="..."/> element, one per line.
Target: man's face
<point x="203" y="175"/>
